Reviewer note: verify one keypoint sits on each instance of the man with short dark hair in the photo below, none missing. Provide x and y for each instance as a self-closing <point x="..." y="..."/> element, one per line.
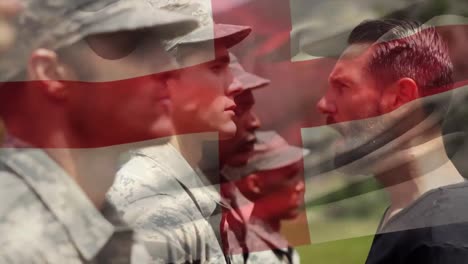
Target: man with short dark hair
<point x="69" y="115"/>
<point x="390" y="90"/>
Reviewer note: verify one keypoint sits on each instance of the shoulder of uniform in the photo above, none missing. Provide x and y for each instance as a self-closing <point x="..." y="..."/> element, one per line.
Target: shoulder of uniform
<point x="142" y="178"/>
<point x="23" y="220"/>
<point x="14" y="192"/>
<point x="170" y="211"/>
<point x="143" y="168"/>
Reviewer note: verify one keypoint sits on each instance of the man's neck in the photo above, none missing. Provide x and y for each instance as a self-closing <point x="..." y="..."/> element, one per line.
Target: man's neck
<point x="189" y="148"/>
<point x="193" y="146"/>
<point x="423" y="168"/>
<point x="258" y="214"/>
<point x="92" y="169"/>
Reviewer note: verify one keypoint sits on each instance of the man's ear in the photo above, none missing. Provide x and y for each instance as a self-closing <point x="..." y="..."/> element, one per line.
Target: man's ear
<point x="44" y="67"/>
<point x="253" y="184"/>
<point x="399" y="93"/>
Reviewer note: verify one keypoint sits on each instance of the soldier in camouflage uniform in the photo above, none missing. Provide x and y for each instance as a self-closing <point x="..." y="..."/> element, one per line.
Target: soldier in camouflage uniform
<point x="237" y="150"/>
<point x="164" y="191"/>
<point x="52" y="179"/>
<point x="269" y="189"/>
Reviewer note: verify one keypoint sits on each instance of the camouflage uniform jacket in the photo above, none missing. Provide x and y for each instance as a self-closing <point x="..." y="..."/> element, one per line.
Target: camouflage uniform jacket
<point x="45" y="217"/>
<point x="163" y="197"/>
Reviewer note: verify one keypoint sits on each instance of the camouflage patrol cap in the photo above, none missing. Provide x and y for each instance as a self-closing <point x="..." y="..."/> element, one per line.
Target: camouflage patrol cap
<point x="247" y="80"/>
<point x="229" y="35"/>
<point x="271" y="152"/>
<point x="54" y="24"/>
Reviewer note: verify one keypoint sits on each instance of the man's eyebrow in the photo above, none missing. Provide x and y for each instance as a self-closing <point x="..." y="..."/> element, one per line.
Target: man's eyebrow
<point x="340" y="80"/>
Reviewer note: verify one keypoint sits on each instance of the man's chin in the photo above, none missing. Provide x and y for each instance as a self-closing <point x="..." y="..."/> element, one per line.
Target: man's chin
<point x="163" y="129"/>
<point x="291" y="214"/>
<point x="227" y="131"/>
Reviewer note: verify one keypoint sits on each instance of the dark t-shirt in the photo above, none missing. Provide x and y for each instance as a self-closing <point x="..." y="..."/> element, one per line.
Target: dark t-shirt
<point x="434" y="229"/>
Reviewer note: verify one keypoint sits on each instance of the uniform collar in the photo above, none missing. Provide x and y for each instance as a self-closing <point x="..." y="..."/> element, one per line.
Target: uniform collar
<point x="87" y="227"/>
<point x="261" y="237"/>
<point x="205" y="195"/>
<point x="238" y="203"/>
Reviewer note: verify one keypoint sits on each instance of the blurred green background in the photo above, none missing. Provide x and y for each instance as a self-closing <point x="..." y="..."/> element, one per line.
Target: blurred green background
<point x="342" y="222"/>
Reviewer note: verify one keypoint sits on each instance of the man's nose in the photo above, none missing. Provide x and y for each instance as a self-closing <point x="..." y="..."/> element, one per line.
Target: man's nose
<point x="300" y="186"/>
<point x="234" y="88"/>
<point x="325" y="106"/>
<point x="254" y="122"/>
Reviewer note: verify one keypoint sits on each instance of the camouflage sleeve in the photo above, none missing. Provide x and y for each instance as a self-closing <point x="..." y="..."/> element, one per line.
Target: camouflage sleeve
<point x="16" y="224"/>
<point x="27" y="228"/>
<point x="140" y="254"/>
<point x="154" y="203"/>
<point x="168" y="231"/>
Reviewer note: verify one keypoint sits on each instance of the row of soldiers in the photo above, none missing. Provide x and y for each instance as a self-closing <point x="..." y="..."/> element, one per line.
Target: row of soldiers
<point x="130" y="136"/>
<point x="90" y="172"/>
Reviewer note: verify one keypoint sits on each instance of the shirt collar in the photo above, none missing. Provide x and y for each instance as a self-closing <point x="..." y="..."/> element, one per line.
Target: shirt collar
<point x="87" y="227"/>
<point x="259" y="233"/>
<point x="242" y="206"/>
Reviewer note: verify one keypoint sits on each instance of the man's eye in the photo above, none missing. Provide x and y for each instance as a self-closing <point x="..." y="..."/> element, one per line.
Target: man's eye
<point x="341" y="88"/>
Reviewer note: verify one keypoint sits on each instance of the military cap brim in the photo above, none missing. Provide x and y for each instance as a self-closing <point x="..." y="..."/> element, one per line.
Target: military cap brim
<point x="223" y="34"/>
<point x="271" y="152"/>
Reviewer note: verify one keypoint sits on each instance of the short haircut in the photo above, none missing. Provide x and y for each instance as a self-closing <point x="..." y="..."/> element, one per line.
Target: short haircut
<point x="405" y="48"/>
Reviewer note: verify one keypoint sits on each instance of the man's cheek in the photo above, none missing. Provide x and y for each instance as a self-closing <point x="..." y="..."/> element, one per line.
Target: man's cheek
<point x="363" y="107"/>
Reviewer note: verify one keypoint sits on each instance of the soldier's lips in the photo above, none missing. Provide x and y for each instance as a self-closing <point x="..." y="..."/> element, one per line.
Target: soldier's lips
<point x="247" y="143"/>
<point x="165" y="98"/>
<point x="247" y="146"/>
<point x="231" y="113"/>
<point x="231" y="110"/>
<point x="297" y="199"/>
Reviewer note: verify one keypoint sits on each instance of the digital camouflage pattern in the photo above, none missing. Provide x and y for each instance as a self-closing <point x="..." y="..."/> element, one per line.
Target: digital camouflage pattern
<point x="47" y="218"/>
<point x="163" y="198"/>
<point x="208" y="30"/>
